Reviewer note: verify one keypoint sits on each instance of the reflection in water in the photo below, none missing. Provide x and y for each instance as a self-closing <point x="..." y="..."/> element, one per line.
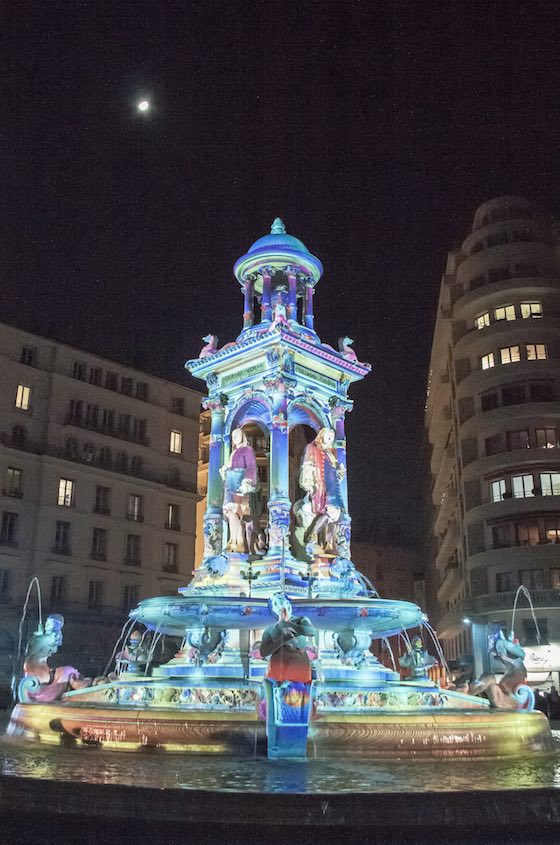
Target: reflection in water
<point x="175" y="771"/>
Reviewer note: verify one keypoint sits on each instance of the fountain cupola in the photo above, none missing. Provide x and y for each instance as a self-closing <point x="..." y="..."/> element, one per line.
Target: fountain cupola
<point x="280" y="272"/>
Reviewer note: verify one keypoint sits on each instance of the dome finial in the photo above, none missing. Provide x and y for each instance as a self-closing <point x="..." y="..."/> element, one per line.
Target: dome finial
<point x="278" y="227"/>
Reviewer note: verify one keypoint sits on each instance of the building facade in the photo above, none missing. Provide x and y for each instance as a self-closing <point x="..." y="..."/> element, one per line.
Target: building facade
<point x="99" y="473"/>
<point x="493" y="425"/>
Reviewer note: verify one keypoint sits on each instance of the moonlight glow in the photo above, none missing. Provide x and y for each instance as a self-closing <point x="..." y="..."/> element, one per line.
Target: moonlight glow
<point x="143" y="105"/>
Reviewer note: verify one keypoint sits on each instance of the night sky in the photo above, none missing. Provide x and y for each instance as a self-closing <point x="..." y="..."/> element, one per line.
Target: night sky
<point x="374" y="129"/>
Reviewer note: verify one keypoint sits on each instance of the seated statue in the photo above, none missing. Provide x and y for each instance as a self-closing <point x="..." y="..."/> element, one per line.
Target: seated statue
<point x="511" y="691"/>
<point x="320" y="475"/>
<point x="417" y="660"/>
<point x="41" y="683"/>
<point x="240" y="494"/>
<point x="285" y="643"/>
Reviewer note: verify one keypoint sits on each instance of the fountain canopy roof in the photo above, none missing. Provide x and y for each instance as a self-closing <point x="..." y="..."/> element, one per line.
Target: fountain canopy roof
<point x="278" y="251"/>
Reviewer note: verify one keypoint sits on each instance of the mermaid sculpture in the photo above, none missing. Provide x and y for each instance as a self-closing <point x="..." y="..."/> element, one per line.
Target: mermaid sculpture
<point x="511" y="691"/>
<point x="41" y="683"/>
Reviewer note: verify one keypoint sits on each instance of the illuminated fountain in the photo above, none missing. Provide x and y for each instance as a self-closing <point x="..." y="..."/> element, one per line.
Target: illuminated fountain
<point x="275" y="627"/>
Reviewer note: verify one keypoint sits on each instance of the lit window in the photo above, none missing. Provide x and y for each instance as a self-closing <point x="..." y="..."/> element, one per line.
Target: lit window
<point x="547" y="438"/>
<point x="176" y="442"/>
<point x="531" y="309"/>
<point x="552" y="531"/>
<point x="172" y="520"/>
<point x="527" y="533"/>
<point x="522" y="486"/>
<point x="483" y="320"/>
<point x="510" y="354"/>
<point x="536" y="351"/>
<point x="23" y="397"/>
<point x="506" y="312"/>
<point x="498" y="488"/>
<point x="134" y="509"/>
<point x="550" y="483"/>
<point x="487" y="361"/>
<point x="65" y="492"/>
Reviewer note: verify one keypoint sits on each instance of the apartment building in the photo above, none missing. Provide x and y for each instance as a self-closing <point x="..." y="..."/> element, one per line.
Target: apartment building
<point x="98" y="468"/>
<point x="493" y="425"/>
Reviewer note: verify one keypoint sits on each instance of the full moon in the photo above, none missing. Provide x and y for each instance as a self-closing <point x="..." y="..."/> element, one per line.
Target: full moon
<point x="143" y="105"/>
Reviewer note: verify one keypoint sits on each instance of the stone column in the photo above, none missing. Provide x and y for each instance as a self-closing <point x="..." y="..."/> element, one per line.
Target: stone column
<point x="343" y="530"/>
<point x="308" y="305"/>
<point x="266" y="304"/>
<point x="213" y="518"/>
<point x="248" y="295"/>
<point x="291" y="273"/>
<point x="279" y="492"/>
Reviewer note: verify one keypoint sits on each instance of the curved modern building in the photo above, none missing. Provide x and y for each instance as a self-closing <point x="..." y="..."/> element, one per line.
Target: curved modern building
<point x="493" y="424"/>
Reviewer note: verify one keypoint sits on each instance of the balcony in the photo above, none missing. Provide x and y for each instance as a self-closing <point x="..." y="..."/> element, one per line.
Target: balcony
<point x="61" y="549"/>
<point x="172" y="526"/>
<point x="172" y="567"/>
<point x="135" y="517"/>
<point x="504" y="601"/>
<point x="101" y="510"/>
<point x="132" y="561"/>
<point x="13" y="492"/>
<point x="95" y="555"/>
<point x="80" y="422"/>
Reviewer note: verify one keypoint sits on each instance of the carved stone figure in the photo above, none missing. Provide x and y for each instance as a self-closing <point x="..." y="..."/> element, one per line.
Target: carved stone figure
<point x="511" y="691"/>
<point x="285" y="643"/>
<point x="322" y="506"/>
<point x="40" y="682"/>
<point x="240" y="487"/>
<point x="417" y="660"/>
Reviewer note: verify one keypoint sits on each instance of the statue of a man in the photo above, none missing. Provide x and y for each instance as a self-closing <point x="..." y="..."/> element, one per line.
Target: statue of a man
<point x="240" y="477"/>
<point x="320" y="477"/>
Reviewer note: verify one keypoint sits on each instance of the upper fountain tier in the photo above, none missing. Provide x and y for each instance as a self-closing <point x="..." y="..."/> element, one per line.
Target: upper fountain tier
<point x="275" y="253"/>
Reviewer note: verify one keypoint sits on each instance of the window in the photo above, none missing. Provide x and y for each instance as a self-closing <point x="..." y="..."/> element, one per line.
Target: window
<point x="527" y="533"/>
<point x="552" y="530"/>
<point x="522" y="486"/>
<point x="123" y="425"/>
<point x="92" y="415"/>
<point x="111" y="381"/>
<point x="177" y="405"/>
<point x="534" y="636"/>
<point x="95" y="375"/>
<point x="61" y="538"/>
<point x="536" y="351"/>
<point x="136" y="465"/>
<point x="501" y="536"/>
<point x="482" y="320"/>
<point x="108" y="420"/>
<point x="550" y="483"/>
<point x="95" y="595"/>
<point x="133" y="549"/>
<point x="139" y="430"/>
<point x="506" y="582"/>
<point x="75" y="411"/>
<point x="487" y="361"/>
<point x="58" y="589"/>
<point x="5" y="582"/>
<point x="176" y="442"/>
<point x="170" y="557"/>
<point x="513" y="394"/>
<point x="554" y="578"/>
<point x="506" y="312"/>
<point x="66" y="492"/>
<point x="493" y="444"/>
<point x="23" y="397"/>
<point x="19" y="437"/>
<point x="28" y="355"/>
<point x="79" y="370"/>
<point x="71" y="448"/>
<point x="8" y="531"/>
<point x="14" y="483"/>
<point x="129" y="597"/>
<point x="141" y="390"/>
<point x="135" y="508"/>
<point x="488" y="401"/>
<point x="509" y="354"/>
<point x="262" y="471"/>
<point x="547" y="438"/>
<point x="121" y="462"/>
<point x="498" y="274"/>
<point x="105" y="458"/>
<point x="541" y="392"/>
<point x="88" y="453"/>
<point x="531" y="309"/>
<point x="532" y="578"/>
<point x="518" y="439"/>
<point x="172" y="518"/>
<point x="99" y="544"/>
<point x="126" y="386"/>
<point x="102" y="500"/>
<point x="497" y="489"/>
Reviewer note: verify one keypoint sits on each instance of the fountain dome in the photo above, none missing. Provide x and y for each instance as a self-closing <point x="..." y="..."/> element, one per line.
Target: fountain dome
<point x="277" y="250"/>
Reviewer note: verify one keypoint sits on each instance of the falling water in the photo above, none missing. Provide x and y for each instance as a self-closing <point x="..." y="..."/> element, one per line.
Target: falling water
<point x="123" y="636"/>
<point x="523" y="590"/>
<point x="437" y="644"/>
<point x="17" y="657"/>
<point x="387" y="645"/>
